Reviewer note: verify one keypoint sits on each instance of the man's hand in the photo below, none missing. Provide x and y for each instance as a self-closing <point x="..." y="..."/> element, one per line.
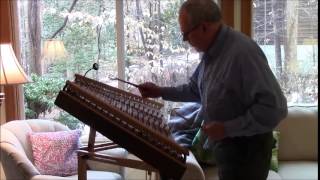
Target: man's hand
<point x="214" y="130"/>
<point x="149" y="90"/>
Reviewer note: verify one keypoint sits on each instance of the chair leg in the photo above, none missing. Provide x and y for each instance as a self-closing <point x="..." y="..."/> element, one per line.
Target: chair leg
<point x="82" y="167"/>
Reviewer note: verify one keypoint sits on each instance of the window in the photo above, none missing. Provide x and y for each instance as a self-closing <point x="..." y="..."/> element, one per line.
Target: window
<point x="287" y="32"/>
<point x="87" y="29"/>
<point x="154" y="50"/>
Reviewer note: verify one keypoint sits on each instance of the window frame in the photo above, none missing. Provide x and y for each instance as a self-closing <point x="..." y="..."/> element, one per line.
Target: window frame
<point x="14" y="95"/>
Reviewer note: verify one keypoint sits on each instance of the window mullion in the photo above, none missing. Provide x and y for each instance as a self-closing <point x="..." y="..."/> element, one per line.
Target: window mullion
<point x="120" y="42"/>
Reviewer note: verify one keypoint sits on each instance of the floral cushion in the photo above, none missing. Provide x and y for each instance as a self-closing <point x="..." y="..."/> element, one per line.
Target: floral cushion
<point x="54" y="153"/>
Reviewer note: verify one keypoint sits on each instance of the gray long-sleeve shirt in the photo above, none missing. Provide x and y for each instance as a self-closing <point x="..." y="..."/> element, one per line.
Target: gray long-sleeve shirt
<point x="235" y="86"/>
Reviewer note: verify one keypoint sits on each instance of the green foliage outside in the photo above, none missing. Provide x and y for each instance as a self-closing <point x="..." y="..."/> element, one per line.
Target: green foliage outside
<point x="90" y="36"/>
<point x="154" y="50"/>
<point x="70" y="121"/>
<point x="40" y="94"/>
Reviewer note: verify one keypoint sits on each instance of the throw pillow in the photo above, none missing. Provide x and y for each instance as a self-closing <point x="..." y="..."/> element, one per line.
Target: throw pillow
<point x="54" y="153"/>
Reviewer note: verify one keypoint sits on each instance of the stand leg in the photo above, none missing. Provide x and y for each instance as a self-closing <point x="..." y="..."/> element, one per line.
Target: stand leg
<point x="82" y="168"/>
<point x="92" y="138"/>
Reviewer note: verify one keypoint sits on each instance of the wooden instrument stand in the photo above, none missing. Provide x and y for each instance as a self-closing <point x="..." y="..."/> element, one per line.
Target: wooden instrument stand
<point x="128" y="120"/>
<point x="90" y="152"/>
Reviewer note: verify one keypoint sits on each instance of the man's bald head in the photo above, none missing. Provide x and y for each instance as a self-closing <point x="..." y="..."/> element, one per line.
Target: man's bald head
<point x="199" y="11"/>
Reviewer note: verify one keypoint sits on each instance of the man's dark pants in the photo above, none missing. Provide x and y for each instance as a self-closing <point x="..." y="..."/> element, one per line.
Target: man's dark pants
<point x="244" y="158"/>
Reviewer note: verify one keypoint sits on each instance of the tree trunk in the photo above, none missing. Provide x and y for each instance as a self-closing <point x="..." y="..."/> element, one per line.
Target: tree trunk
<point x="277" y="17"/>
<point x="34" y="24"/>
<point x="98" y="30"/>
<point x="149" y="38"/>
<point x="290" y="45"/>
<point x="24" y="37"/>
<point x="139" y="15"/>
<point x="159" y="27"/>
<point x="65" y="20"/>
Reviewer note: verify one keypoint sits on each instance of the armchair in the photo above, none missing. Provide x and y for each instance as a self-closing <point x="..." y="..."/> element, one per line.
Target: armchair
<point x="17" y="159"/>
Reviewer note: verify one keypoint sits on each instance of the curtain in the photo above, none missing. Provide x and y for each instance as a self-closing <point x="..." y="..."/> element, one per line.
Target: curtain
<point x="9" y="32"/>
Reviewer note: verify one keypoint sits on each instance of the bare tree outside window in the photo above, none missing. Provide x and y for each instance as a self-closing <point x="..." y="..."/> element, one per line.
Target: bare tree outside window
<point x="153" y="47"/>
<point x="287" y="31"/>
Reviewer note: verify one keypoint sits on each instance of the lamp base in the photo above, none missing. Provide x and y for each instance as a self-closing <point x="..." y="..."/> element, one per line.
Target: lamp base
<point x="1" y="97"/>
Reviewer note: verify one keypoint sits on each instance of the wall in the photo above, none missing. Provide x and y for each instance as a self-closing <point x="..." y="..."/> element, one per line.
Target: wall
<point x="12" y="108"/>
<point x="2" y="114"/>
<point x="10" y="95"/>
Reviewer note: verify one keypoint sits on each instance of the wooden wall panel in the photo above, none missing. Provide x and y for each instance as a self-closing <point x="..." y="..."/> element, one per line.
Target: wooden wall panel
<point x="14" y="108"/>
<point x="5" y="32"/>
<point x="227" y="10"/>
<point x="246" y="17"/>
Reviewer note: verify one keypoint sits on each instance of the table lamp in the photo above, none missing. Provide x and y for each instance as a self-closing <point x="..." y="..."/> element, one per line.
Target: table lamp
<point x="54" y="49"/>
<point x="11" y="73"/>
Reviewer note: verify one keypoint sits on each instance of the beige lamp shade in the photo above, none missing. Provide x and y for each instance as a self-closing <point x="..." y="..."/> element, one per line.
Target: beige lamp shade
<point x="53" y="49"/>
<point x="10" y="70"/>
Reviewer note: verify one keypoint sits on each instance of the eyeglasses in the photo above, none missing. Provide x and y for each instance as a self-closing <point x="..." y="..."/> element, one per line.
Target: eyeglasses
<point x="186" y="34"/>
